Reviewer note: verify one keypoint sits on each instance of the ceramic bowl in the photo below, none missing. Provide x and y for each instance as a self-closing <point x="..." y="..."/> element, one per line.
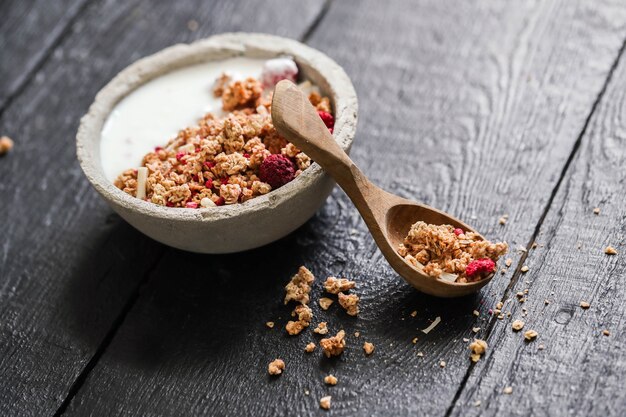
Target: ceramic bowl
<point x="230" y="228"/>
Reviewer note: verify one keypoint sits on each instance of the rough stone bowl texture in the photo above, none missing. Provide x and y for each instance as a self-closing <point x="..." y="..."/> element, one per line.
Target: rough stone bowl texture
<point x="236" y="227"/>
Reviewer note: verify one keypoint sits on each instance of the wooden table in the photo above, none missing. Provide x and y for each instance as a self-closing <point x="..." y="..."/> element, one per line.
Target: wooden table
<point x="480" y="108"/>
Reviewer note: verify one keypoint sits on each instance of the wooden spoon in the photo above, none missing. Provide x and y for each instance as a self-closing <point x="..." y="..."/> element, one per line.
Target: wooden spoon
<point x="388" y="216"/>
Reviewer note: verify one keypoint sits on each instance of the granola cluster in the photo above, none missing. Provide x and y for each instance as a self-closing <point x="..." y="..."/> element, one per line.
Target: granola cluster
<point x="221" y="159"/>
<point x="298" y="290"/>
<point x="334" y="346"/>
<point x="445" y="252"/>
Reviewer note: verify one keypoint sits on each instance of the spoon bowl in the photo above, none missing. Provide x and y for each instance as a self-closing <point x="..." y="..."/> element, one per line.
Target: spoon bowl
<point x="387" y="216"/>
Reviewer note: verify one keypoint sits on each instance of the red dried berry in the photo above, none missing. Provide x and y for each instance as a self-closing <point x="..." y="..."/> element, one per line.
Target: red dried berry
<point x="277" y="170"/>
<point x="220" y="201"/>
<point x="209" y="183"/>
<point x="479" y="267"/>
<point x="458" y="231"/>
<point x="198" y="150"/>
<point x="191" y="204"/>
<point x="180" y="155"/>
<point x="209" y="164"/>
<point x="224" y="180"/>
<point x="158" y="148"/>
<point x="328" y="119"/>
<point x="169" y="204"/>
<point x="246" y="155"/>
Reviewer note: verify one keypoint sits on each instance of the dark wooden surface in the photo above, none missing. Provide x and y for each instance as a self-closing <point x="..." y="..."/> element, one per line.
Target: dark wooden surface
<point x="479" y="109"/>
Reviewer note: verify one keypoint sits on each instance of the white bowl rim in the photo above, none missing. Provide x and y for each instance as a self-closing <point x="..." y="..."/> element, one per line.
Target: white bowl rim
<point x="221" y="46"/>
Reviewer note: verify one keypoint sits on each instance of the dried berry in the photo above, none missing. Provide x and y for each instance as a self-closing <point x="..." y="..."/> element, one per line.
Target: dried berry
<point x="209" y="183"/>
<point x="220" y="201"/>
<point x="328" y="120"/>
<point x="480" y="266"/>
<point x="191" y="204"/>
<point x="277" y="170"/>
<point x="458" y="231"/>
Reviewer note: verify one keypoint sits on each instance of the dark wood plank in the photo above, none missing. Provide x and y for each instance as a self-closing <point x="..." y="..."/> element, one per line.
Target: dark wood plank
<point x="471" y="108"/>
<point x="68" y="267"/>
<point x="580" y="371"/>
<point x="28" y="31"/>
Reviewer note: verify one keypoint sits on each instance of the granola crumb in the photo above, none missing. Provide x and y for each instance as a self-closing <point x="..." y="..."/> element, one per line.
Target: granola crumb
<point x="413" y="313"/>
<point x="517" y="325"/>
<point x="325" y="402"/>
<point x="357" y="334"/>
<point x="541" y="347"/>
<point x="336" y="285"/>
<point x="334" y="346"/>
<point x="610" y="250"/>
<point x="270" y="324"/>
<point x="508" y="390"/>
<point x="330" y="380"/>
<point x="596" y="210"/>
<point x="524" y="269"/>
<point x="584" y="305"/>
<point x="6" y="144"/>
<point x="476" y="313"/>
<point x="478" y="348"/>
<point x="299" y="287"/>
<point x="475" y="329"/>
<point x="442" y="364"/>
<point x="350" y="303"/>
<point x="508" y="262"/>
<point x="304" y="314"/>
<point x="502" y="220"/>
<point x="530" y="335"/>
<point x="321" y="328"/>
<point x="368" y="348"/>
<point x="414" y="341"/>
<point x="606" y="332"/>
<point x="276" y="367"/>
<point x="546" y="301"/>
<point x="310" y="347"/>
<point x="477" y="403"/>
<point x="499" y="305"/>
<point x="325" y="303"/>
<point x="420" y="354"/>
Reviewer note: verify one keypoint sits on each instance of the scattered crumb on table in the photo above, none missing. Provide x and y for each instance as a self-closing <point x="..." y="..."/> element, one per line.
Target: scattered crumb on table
<point x="325" y="402"/>
<point x="6" y="144"/>
<point x="330" y="380"/>
<point x="530" y="335"/>
<point x="334" y="346"/>
<point x="325" y="303"/>
<point x="276" y="367"/>
<point x="517" y="325"/>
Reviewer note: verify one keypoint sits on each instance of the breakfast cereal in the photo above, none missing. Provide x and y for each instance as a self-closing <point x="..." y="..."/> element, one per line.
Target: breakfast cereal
<point x="437" y="251"/>
<point x="229" y="159"/>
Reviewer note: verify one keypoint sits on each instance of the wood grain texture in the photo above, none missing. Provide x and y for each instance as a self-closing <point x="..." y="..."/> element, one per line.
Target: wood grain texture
<point x="580" y="371"/>
<point x="68" y="267"/>
<point x="473" y="109"/>
<point x="29" y="29"/>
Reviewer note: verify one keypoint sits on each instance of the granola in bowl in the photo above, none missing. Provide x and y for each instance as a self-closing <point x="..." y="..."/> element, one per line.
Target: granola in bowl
<point x="449" y="253"/>
<point x="229" y="158"/>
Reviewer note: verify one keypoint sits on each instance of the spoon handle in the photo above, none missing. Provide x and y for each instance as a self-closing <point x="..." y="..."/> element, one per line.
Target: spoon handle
<point x="297" y="120"/>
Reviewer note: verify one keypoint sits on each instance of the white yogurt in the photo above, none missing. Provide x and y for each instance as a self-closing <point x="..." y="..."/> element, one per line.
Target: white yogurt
<point x="155" y="112"/>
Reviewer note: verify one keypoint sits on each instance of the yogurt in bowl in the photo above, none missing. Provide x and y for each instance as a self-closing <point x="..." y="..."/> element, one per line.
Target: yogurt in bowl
<point x="151" y="100"/>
